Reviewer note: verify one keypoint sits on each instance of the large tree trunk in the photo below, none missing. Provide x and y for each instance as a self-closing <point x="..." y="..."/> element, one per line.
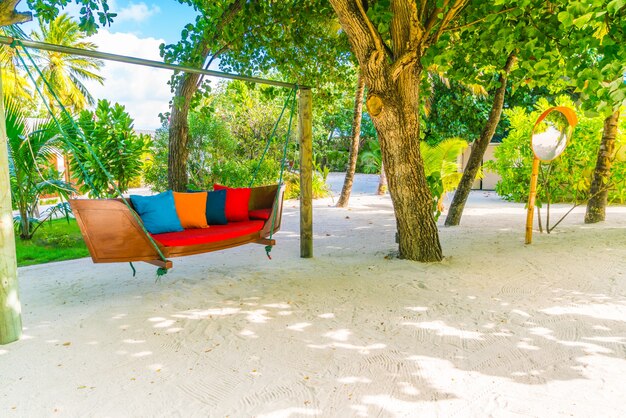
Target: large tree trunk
<point x="478" y="149"/>
<point x="596" y="207"/>
<point x="392" y="79"/>
<point x="398" y="127"/>
<point x="179" y="133"/>
<point x="354" y="143"/>
<point x="382" y="181"/>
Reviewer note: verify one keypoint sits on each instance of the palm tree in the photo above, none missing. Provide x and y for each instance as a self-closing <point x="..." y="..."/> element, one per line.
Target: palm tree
<point x="14" y="82"/>
<point x="66" y="73"/>
<point x="32" y="174"/>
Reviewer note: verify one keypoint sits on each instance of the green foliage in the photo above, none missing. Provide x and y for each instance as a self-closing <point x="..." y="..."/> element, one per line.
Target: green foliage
<point x="569" y="176"/>
<point x="66" y="73"/>
<point x="370" y="157"/>
<point x="58" y="240"/>
<point x="31" y="172"/>
<point x="319" y="186"/>
<point x="598" y="52"/>
<point x="93" y="13"/>
<point x="228" y="130"/>
<point x="110" y="138"/>
<point x="454" y="111"/>
<point x="441" y="168"/>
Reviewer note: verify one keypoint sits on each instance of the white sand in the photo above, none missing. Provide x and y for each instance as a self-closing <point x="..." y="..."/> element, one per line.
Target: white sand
<point x="497" y="329"/>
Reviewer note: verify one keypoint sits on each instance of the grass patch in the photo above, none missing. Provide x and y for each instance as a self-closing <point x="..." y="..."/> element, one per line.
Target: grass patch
<point x="54" y="241"/>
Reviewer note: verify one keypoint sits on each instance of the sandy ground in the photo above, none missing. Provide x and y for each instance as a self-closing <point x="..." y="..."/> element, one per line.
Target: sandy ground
<point x="497" y="329"/>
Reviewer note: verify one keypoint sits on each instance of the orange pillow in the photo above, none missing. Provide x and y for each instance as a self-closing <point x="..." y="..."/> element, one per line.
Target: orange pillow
<point x="191" y="209"/>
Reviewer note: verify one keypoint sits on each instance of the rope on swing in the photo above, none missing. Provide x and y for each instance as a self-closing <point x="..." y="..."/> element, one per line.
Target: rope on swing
<point x="291" y="97"/>
<point x="80" y="134"/>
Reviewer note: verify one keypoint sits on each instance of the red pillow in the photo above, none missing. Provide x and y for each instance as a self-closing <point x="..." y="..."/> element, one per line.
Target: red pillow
<point x="237" y="200"/>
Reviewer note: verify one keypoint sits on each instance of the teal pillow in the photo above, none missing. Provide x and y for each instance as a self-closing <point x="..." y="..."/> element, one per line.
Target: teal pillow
<point x="215" y="206"/>
<point x="157" y="212"/>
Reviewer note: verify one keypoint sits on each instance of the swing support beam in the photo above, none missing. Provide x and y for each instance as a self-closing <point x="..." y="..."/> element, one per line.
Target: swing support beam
<point x="10" y="311"/>
<point x="7" y="40"/>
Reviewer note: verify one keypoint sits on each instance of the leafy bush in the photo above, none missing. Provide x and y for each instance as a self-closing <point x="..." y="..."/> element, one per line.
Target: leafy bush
<point x="111" y="139"/>
<point x="292" y="185"/>
<point x="228" y="130"/>
<point x="569" y="176"/>
<point x="30" y="150"/>
<point x="209" y="162"/>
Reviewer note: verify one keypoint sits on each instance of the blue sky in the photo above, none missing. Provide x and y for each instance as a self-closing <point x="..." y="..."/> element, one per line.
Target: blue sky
<point x="138" y="30"/>
<point x="156" y="19"/>
<point x="162" y="19"/>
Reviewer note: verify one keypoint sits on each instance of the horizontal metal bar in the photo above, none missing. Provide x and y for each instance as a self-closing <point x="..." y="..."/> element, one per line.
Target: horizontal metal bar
<point x="6" y="40"/>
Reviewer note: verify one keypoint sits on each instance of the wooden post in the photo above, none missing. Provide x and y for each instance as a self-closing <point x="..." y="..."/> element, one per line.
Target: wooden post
<point x="531" y="200"/>
<point x="305" y="134"/>
<point x="10" y="310"/>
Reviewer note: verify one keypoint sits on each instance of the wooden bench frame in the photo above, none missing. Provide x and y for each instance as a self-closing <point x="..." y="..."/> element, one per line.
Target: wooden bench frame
<point x="114" y="234"/>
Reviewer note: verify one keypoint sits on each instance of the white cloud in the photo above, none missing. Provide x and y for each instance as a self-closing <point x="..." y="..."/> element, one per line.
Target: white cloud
<point x="143" y="90"/>
<point x="136" y="12"/>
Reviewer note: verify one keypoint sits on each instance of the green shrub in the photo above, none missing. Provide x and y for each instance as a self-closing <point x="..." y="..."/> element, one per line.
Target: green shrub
<point x="292" y="185"/>
<point x="111" y="139"/>
<point x="569" y="176"/>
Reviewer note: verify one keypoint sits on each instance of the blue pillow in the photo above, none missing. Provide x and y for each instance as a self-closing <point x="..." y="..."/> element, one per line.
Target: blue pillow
<point x="216" y="207"/>
<point x="157" y="212"/>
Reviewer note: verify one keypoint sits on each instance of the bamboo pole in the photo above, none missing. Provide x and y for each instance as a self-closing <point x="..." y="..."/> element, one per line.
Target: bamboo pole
<point x="305" y="133"/>
<point x="531" y="200"/>
<point x="6" y="40"/>
<point x="10" y="310"/>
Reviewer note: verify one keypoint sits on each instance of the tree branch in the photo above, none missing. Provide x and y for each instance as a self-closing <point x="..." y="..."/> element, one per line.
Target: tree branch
<point x="378" y="41"/>
<point x="361" y="32"/>
<point x="467" y="25"/>
<point x="10" y="16"/>
<point x="453" y="11"/>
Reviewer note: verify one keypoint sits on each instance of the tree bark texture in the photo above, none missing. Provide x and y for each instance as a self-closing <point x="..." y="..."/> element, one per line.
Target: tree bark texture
<point x="179" y="134"/>
<point x="596" y="206"/>
<point x="10" y="310"/>
<point x="10" y="16"/>
<point x="354" y="143"/>
<point x="392" y="76"/>
<point x="478" y="148"/>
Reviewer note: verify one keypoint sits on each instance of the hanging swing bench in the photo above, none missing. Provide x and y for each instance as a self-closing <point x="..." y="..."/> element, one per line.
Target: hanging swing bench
<point x="114" y="231"/>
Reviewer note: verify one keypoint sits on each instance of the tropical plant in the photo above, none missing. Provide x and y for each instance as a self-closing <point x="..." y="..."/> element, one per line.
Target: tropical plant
<point x="319" y="187"/>
<point x="106" y="137"/>
<point x="31" y="172"/>
<point x="370" y="157"/>
<point x="14" y="83"/>
<point x="66" y="73"/>
<point x="441" y="168"/>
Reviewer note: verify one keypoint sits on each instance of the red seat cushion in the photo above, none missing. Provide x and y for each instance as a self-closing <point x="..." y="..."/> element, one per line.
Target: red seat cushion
<point x="215" y="233"/>
<point x="263" y="214"/>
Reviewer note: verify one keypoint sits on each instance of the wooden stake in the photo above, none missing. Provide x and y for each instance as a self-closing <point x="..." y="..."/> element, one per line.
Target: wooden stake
<point x="531" y="200"/>
<point x="305" y="133"/>
<point x="10" y="309"/>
